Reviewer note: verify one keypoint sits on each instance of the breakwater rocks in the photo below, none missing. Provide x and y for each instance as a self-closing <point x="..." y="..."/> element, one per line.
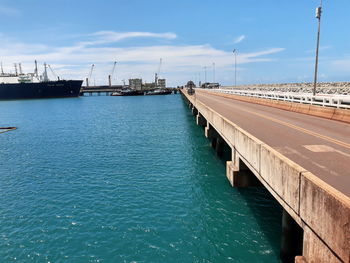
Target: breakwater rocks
<point x="341" y="88"/>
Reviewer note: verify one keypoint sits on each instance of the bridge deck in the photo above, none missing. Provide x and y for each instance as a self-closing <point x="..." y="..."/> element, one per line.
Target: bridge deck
<point x="319" y="145"/>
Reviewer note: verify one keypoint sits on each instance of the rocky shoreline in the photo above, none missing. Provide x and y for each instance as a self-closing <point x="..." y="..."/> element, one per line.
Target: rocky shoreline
<point x="341" y="88"/>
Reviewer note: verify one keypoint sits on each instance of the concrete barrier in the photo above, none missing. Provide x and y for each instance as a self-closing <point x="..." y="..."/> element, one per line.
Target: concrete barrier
<point x="315" y="251"/>
<point x="342" y="115"/>
<point x="327" y="212"/>
<point x="248" y="147"/>
<point x="282" y="175"/>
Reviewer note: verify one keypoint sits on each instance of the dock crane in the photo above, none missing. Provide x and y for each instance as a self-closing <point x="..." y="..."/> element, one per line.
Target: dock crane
<point x="90" y="74"/>
<point x="20" y="68"/>
<point x="110" y="77"/>
<point x="53" y="73"/>
<point x="157" y="73"/>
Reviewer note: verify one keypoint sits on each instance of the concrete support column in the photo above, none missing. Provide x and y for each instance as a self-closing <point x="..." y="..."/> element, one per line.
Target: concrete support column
<point x="194" y="111"/>
<point x="219" y="147"/>
<point x="300" y="259"/>
<point x="238" y="174"/>
<point x="208" y="131"/>
<point x="292" y="239"/>
<point x="200" y="120"/>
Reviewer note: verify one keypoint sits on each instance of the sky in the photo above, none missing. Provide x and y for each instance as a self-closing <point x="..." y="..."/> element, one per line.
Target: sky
<point x="275" y="40"/>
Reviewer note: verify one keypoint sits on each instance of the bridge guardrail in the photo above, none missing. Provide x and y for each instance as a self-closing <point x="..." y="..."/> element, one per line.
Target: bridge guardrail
<point x="325" y="100"/>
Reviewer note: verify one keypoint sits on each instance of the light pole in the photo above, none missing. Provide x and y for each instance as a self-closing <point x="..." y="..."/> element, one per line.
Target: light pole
<point x="205" y="75"/>
<point x="213" y="72"/>
<point x="318" y="16"/>
<point x="200" y="79"/>
<point x="235" y="52"/>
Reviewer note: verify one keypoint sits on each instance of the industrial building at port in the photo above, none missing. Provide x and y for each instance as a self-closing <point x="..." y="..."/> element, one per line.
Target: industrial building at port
<point x="136" y="84"/>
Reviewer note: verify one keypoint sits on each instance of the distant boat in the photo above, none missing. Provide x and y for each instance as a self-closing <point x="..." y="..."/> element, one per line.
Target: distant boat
<point x="158" y="92"/>
<point x="127" y="92"/>
<point x="27" y="86"/>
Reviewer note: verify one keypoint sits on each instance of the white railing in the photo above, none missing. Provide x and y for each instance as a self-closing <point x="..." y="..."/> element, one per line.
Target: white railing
<point x="326" y="100"/>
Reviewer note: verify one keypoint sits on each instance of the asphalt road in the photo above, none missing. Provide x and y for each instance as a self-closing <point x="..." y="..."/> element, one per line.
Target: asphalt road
<point x="319" y="145"/>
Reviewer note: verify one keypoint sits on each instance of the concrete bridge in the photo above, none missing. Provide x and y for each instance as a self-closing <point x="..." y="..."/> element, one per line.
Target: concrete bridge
<point x="302" y="160"/>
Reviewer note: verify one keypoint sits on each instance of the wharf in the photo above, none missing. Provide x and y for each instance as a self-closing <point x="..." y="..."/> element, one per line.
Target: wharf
<point x="302" y="160"/>
<point x="107" y="90"/>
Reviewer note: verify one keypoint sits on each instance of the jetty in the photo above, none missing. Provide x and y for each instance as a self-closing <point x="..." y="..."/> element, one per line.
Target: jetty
<point x="299" y="152"/>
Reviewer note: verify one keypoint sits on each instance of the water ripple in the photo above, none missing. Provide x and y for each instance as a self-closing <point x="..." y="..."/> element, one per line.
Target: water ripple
<point x="106" y="179"/>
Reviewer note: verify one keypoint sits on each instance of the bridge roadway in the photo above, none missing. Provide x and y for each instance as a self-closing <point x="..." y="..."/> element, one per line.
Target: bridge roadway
<point x="302" y="160"/>
<point x="319" y="145"/>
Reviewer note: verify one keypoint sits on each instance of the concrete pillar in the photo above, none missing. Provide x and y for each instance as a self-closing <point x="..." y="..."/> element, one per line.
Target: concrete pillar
<point x="238" y="174"/>
<point x="292" y="239"/>
<point x="194" y="111"/>
<point x="219" y="147"/>
<point x="201" y="121"/>
<point x="300" y="259"/>
<point x="210" y="132"/>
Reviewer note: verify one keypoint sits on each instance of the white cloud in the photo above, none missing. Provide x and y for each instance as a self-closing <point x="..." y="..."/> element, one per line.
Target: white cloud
<point x="322" y="48"/>
<point x="9" y="11"/>
<point x="239" y="39"/>
<point x="342" y="65"/>
<point x="180" y="62"/>
<point x="105" y="37"/>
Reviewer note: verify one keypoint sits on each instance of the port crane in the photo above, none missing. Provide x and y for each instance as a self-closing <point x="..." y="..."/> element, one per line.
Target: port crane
<point x="20" y="68"/>
<point x="110" y="77"/>
<point x="157" y="73"/>
<point x="53" y="73"/>
<point x="90" y="74"/>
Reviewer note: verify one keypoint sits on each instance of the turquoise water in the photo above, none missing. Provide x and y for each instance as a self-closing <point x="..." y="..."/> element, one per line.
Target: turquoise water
<point x="123" y="179"/>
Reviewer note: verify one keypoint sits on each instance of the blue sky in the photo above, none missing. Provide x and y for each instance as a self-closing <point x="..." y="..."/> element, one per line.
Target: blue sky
<point x="275" y="39"/>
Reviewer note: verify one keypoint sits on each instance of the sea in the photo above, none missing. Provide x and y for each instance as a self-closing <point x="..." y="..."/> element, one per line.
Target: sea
<point x="123" y="179"/>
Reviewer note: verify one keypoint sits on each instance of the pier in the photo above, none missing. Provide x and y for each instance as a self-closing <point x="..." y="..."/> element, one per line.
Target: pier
<point x="302" y="160"/>
<point x="106" y="89"/>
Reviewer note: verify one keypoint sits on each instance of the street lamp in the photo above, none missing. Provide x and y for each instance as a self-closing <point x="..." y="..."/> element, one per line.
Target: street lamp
<point x="235" y="52"/>
<point x="205" y="75"/>
<point x="213" y="72"/>
<point x="318" y="16"/>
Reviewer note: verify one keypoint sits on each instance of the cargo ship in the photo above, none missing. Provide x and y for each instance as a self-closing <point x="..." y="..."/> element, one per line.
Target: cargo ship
<point x="31" y="86"/>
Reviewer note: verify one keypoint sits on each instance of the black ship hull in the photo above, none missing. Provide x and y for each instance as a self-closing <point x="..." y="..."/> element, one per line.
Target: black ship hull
<point x="51" y="89"/>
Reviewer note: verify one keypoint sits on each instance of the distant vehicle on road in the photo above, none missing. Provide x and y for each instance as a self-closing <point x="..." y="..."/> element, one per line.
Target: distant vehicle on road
<point x="210" y="85"/>
<point x="190" y="87"/>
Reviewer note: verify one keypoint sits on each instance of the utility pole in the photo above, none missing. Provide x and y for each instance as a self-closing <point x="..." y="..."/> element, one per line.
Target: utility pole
<point x="213" y="72"/>
<point x="318" y="16"/>
<point x="235" y="52"/>
<point x="200" y="79"/>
